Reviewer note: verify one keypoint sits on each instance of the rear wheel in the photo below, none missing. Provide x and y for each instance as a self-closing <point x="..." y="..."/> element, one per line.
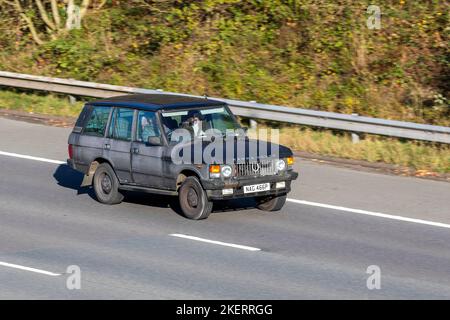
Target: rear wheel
<point x="271" y="203"/>
<point x="106" y="185"/>
<point x="193" y="200"/>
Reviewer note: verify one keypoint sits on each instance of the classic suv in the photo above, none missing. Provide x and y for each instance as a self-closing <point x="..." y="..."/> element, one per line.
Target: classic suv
<point x="193" y="148"/>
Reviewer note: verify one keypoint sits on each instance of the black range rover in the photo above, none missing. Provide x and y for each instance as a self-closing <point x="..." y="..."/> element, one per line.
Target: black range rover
<point x="193" y="148"/>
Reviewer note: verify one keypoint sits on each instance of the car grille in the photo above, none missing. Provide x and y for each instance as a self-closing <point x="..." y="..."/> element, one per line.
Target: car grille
<point x="255" y="168"/>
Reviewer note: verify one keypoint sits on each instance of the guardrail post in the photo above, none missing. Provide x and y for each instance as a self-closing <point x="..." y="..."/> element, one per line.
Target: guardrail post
<point x="72" y="99"/>
<point x="355" y="136"/>
<point x="253" y="123"/>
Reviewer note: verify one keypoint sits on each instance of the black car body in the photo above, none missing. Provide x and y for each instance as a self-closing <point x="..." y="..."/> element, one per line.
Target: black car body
<point x="127" y="143"/>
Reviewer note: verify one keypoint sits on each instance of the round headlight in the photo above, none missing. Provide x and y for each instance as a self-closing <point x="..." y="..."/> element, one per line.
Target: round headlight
<point x="227" y="171"/>
<point x="281" y="165"/>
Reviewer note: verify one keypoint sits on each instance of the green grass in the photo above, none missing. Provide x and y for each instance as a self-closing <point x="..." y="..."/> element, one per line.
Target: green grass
<point x="420" y="156"/>
<point x="42" y="104"/>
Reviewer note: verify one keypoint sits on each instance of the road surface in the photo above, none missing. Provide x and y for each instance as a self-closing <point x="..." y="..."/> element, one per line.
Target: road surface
<point x="337" y="223"/>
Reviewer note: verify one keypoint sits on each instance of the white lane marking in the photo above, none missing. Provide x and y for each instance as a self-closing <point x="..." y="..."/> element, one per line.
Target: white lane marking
<point x="238" y="246"/>
<point x="16" y="266"/>
<point x="23" y="156"/>
<point x="370" y="213"/>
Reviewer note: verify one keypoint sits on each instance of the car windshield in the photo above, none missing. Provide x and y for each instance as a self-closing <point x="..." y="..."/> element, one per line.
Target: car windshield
<point x="199" y="121"/>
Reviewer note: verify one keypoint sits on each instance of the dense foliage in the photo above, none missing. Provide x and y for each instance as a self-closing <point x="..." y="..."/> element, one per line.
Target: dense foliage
<point x="312" y="54"/>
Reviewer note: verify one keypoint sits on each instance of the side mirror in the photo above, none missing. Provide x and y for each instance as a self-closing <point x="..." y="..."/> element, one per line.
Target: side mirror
<point x="154" y="141"/>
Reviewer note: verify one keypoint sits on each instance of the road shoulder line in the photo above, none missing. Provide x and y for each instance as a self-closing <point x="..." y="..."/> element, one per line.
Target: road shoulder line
<point x="16" y="266"/>
<point x="371" y="213"/>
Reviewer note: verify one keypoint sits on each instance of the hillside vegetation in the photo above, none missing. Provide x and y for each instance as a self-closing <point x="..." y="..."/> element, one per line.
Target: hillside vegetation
<point x="310" y="54"/>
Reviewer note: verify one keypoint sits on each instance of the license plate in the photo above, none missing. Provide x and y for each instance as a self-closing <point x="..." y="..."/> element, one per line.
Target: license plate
<point x="257" y="187"/>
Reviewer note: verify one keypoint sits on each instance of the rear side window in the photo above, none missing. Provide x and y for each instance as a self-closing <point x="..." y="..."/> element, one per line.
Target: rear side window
<point x="121" y="124"/>
<point x="96" y="124"/>
<point x="82" y="118"/>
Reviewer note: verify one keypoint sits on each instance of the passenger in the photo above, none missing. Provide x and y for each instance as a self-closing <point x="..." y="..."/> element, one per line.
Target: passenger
<point x="148" y="128"/>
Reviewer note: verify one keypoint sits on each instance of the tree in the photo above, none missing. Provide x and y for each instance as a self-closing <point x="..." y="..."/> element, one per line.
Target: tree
<point x="47" y="19"/>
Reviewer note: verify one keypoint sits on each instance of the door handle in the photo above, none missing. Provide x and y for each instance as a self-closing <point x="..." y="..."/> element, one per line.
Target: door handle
<point x="107" y="146"/>
<point x="136" y="150"/>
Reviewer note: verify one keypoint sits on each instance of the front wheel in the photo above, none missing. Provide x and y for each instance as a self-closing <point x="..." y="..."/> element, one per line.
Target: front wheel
<point x="271" y="203"/>
<point x="193" y="200"/>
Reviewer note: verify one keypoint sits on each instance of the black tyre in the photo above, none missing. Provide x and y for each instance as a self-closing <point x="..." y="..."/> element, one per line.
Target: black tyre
<point x="271" y="203"/>
<point x="193" y="200"/>
<point x="106" y="185"/>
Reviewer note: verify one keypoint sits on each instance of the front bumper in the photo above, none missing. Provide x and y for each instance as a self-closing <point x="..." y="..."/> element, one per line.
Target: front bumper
<point x="214" y="187"/>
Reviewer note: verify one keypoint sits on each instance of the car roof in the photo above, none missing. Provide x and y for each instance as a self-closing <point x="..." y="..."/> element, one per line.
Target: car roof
<point x="155" y="102"/>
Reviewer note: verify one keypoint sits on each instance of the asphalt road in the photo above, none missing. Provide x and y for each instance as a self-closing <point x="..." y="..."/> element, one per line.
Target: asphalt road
<point x="307" y="251"/>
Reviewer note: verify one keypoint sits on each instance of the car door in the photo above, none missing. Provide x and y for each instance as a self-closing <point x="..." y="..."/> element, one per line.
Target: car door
<point x="92" y="138"/>
<point x="117" y="146"/>
<point x="147" y="154"/>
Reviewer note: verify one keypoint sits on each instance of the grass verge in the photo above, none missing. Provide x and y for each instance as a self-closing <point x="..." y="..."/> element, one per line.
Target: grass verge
<point x="48" y="104"/>
<point x="423" y="157"/>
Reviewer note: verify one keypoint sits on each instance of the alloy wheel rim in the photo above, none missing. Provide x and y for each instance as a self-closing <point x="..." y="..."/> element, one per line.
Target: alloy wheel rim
<point x="106" y="184"/>
<point x="192" y="198"/>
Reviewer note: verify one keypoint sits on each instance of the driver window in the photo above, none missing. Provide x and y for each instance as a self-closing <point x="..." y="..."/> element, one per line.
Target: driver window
<point x="147" y="126"/>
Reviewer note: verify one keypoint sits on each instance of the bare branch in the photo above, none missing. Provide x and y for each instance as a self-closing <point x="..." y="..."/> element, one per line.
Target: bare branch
<point x="8" y="2"/>
<point x="84" y="6"/>
<point x="18" y="6"/>
<point x="101" y="4"/>
<point x="33" y="31"/>
<point x="44" y="15"/>
<point x="28" y="20"/>
<point x="55" y="13"/>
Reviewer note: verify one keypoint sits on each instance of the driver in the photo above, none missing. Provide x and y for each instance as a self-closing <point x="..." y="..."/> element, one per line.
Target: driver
<point x="194" y="124"/>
